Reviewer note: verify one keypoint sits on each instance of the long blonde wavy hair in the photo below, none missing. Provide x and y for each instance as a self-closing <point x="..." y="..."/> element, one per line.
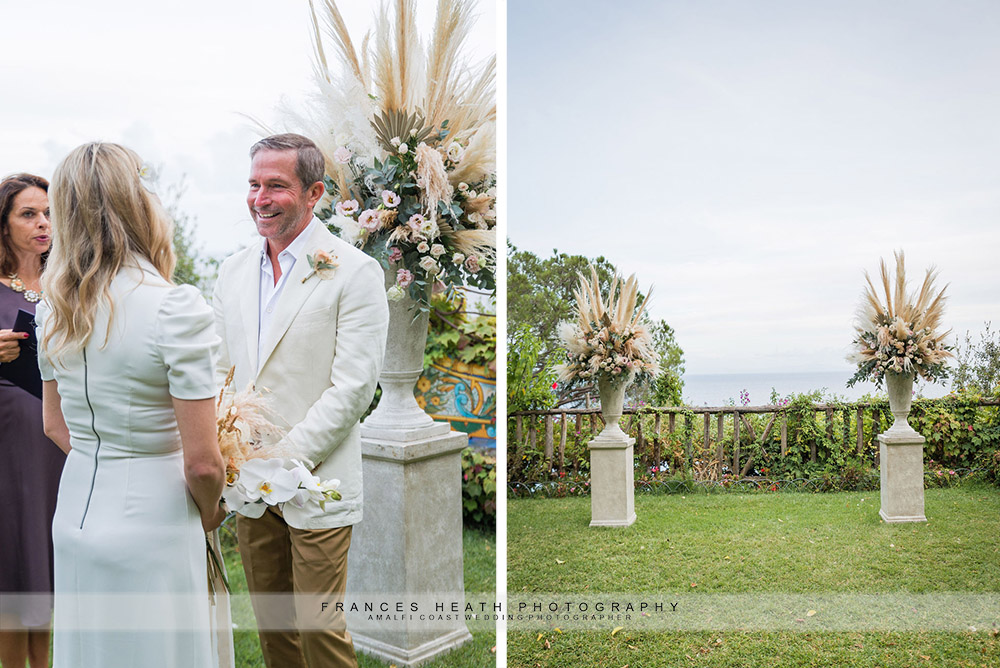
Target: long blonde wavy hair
<point x="102" y="217"/>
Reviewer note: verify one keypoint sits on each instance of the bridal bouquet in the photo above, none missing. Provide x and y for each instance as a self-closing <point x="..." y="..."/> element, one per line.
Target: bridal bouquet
<point x="900" y="335"/>
<point x="610" y="341"/>
<point x="410" y="141"/>
<point x="255" y="473"/>
<point x="276" y="481"/>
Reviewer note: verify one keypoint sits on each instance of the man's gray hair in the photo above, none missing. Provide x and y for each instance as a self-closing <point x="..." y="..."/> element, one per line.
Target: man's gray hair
<point x="309" y="163"/>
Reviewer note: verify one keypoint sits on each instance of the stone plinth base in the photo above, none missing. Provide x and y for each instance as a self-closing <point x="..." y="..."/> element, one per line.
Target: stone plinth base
<point x="612" y="481"/>
<point x="412" y="657"/>
<point x="901" y="476"/>
<point x="408" y="548"/>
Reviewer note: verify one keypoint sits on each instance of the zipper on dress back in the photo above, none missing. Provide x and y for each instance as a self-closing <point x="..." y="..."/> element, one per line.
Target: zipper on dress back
<point x="93" y="427"/>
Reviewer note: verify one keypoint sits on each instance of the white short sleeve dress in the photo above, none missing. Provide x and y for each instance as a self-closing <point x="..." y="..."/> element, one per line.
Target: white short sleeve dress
<point x="130" y="571"/>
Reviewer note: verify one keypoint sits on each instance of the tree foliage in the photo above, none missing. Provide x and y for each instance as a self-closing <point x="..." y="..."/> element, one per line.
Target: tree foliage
<point x="540" y="292"/>
<point x="461" y="333"/>
<point x="529" y="379"/>
<point x="192" y="267"/>
<point x="668" y="387"/>
<point x="540" y="296"/>
<point x="978" y="364"/>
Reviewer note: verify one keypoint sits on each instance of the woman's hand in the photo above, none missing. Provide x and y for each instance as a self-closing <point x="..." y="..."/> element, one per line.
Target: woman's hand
<point x="212" y="520"/>
<point x="10" y="347"/>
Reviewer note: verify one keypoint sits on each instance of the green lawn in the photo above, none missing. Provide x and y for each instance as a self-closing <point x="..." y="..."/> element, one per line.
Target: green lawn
<point x="480" y="576"/>
<point x="756" y="544"/>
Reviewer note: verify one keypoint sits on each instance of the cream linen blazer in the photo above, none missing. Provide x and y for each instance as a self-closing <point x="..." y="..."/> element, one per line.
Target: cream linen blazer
<point x="320" y="365"/>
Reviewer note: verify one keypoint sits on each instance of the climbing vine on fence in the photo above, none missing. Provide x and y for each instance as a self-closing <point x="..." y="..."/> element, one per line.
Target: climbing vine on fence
<point x="799" y="439"/>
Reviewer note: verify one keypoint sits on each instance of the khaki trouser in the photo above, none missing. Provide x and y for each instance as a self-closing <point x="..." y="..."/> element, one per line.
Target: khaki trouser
<point x="280" y="559"/>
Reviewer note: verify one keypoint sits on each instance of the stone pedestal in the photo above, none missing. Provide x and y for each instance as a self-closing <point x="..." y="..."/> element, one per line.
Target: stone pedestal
<point x="901" y="476"/>
<point x="408" y="549"/>
<point x="612" y="480"/>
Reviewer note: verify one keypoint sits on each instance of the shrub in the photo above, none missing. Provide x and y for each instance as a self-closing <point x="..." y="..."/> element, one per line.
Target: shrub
<point x="528" y="388"/>
<point x="479" y="490"/>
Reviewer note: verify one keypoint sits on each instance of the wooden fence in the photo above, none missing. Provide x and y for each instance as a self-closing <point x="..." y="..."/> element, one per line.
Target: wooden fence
<point x="653" y="428"/>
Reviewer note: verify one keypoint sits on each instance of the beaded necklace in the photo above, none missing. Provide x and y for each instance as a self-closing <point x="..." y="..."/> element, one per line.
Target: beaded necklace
<point x="17" y="285"/>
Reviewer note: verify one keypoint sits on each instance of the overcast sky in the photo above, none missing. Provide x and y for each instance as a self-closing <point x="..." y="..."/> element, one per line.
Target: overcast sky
<point x="170" y="80"/>
<point x="751" y="159"/>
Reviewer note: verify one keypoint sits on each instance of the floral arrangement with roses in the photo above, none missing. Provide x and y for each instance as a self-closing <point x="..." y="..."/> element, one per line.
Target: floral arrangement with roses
<point x="900" y="335"/>
<point x="410" y="140"/>
<point x="609" y="340"/>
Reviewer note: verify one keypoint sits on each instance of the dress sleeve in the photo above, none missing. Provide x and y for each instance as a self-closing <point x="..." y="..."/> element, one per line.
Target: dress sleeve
<point x="44" y="365"/>
<point x="187" y="343"/>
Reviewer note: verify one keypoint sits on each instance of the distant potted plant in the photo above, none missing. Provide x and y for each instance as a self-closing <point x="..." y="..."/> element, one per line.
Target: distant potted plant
<point x="608" y="342"/>
<point x="900" y="338"/>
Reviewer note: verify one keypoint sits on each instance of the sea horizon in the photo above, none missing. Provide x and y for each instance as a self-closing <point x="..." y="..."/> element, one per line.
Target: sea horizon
<point x="723" y="389"/>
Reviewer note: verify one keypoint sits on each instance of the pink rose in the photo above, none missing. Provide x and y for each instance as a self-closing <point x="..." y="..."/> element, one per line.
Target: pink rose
<point x="404" y="277"/>
<point x="395" y="254"/>
<point x="472" y="263"/>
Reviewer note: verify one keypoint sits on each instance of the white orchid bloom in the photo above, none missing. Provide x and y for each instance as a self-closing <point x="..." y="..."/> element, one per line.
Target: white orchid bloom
<point x="309" y="488"/>
<point x="267" y="480"/>
<point x="331" y="491"/>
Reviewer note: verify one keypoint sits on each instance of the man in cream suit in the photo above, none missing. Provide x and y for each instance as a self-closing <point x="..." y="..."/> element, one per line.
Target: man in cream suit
<point x="315" y="341"/>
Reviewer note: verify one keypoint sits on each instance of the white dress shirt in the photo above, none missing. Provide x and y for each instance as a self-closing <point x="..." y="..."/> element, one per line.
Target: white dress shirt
<point x="271" y="292"/>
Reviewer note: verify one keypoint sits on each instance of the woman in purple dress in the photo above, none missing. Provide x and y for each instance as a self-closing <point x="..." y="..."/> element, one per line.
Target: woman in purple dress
<point x="30" y="464"/>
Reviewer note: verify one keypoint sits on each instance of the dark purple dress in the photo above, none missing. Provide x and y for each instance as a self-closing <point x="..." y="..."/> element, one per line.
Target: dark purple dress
<point x="30" y="466"/>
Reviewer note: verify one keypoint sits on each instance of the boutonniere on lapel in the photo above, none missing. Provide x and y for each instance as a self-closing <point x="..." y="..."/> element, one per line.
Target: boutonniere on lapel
<point x="322" y="264"/>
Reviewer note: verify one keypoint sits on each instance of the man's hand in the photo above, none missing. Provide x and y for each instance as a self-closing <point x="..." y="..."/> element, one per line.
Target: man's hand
<point x="10" y="347"/>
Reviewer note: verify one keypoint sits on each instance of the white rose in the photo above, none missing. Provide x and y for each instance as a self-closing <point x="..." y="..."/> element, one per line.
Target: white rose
<point x="428" y="264"/>
<point x="422" y="247"/>
<point x="403" y="148"/>
<point x="455" y="151"/>
<point x="395" y="141"/>
<point x="437" y="250"/>
<point x="395" y="293"/>
<point x="463" y="187"/>
<point x="457" y="258"/>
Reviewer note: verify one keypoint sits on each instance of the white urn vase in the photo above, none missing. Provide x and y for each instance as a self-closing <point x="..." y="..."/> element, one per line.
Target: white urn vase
<point x="612" y="402"/>
<point x="900" y="389"/>
<point x="397" y="409"/>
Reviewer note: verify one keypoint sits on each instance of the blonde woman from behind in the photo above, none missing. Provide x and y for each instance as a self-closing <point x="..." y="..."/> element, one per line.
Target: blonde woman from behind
<point x="127" y="362"/>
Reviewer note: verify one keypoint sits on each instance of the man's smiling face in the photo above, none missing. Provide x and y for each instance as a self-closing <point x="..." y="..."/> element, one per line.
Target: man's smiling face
<point x="279" y="204"/>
